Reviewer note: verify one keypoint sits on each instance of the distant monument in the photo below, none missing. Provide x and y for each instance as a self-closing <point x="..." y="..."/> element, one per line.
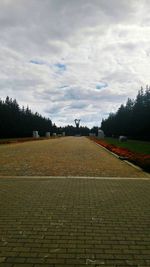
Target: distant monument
<point x="100" y="134"/>
<point x="77" y="123"/>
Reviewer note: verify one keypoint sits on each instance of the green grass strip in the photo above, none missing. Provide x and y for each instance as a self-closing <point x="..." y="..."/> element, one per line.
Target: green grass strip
<point x="133" y="145"/>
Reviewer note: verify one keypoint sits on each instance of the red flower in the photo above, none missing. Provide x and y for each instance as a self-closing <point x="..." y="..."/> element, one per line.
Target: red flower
<point x="141" y="160"/>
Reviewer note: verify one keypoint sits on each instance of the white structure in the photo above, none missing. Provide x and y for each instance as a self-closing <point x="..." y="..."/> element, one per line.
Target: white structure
<point x="122" y="138"/>
<point x="100" y="134"/>
<point x="54" y="134"/>
<point x="48" y="134"/>
<point x="63" y="134"/>
<point x="35" y="134"/>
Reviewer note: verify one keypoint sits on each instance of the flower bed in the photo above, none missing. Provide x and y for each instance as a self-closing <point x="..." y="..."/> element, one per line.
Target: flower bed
<point x="142" y="160"/>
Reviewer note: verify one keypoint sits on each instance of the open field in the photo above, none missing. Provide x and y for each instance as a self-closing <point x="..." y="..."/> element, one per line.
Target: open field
<point x="69" y="156"/>
<point x="133" y="145"/>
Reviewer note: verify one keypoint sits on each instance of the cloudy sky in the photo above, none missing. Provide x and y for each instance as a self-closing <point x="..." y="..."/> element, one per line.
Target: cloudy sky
<point x="72" y="59"/>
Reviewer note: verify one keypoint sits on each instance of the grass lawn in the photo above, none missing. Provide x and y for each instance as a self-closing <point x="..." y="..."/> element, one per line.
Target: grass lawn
<point x="133" y="145"/>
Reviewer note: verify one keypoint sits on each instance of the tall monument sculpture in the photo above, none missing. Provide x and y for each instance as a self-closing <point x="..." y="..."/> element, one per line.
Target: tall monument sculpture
<point x="77" y="123"/>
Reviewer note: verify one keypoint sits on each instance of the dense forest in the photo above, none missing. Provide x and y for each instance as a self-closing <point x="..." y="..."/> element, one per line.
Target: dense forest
<point x="71" y="130"/>
<point x="21" y="122"/>
<point x="131" y="119"/>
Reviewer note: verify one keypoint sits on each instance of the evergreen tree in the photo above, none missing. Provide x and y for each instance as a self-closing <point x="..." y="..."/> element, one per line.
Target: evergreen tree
<point x="132" y="120"/>
<point x="17" y="122"/>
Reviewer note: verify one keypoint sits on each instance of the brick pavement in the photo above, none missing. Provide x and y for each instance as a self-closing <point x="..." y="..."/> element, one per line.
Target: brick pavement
<point x="74" y="222"/>
<point x="69" y="156"/>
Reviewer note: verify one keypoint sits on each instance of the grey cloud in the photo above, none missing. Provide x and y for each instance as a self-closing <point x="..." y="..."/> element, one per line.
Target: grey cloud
<point x="18" y="84"/>
<point x="97" y="40"/>
<point x="78" y="105"/>
<point x="36" y="24"/>
<point x="78" y="94"/>
<point x="121" y="76"/>
<point x="129" y="46"/>
<point x="54" y="108"/>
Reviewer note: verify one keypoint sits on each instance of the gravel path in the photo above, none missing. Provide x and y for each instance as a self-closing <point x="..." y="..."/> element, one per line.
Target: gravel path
<point x="69" y="156"/>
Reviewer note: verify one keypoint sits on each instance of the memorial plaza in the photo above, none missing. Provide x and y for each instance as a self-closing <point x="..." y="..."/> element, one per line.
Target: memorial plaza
<point x="68" y="202"/>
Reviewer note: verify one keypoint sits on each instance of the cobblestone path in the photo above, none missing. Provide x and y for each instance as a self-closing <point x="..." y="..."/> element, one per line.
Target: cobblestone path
<point x="69" y="156"/>
<point x="68" y="222"/>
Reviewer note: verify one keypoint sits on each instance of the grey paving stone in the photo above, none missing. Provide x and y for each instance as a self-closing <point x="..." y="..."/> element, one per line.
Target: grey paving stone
<point x="74" y="222"/>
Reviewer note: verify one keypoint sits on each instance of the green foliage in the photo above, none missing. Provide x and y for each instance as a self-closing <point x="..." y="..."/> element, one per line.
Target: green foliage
<point x="132" y="120"/>
<point x="133" y="145"/>
<point x="71" y="130"/>
<point x="20" y="122"/>
<point x="94" y="130"/>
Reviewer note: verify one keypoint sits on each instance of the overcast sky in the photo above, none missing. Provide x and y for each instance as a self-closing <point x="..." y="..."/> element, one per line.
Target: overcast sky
<point x="72" y="59"/>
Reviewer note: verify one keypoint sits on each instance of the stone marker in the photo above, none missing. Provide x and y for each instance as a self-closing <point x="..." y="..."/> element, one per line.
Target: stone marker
<point x="122" y="138"/>
<point x="63" y="134"/>
<point x="48" y="134"/>
<point x="36" y="134"/>
<point x="54" y="134"/>
<point x="100" y="134"/>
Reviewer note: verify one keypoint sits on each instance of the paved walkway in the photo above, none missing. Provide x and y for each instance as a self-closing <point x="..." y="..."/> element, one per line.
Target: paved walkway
<point x="68" y="222"/>
<point x="69" y="156"/>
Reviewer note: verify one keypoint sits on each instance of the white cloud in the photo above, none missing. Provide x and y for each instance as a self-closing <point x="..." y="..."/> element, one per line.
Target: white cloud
<point x="56" y="55"/>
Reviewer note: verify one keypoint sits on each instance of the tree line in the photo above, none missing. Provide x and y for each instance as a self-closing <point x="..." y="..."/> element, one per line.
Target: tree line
<point x="21" y="122"/>
<point x="131" y="119"/>
<point x="71" y="130"/>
